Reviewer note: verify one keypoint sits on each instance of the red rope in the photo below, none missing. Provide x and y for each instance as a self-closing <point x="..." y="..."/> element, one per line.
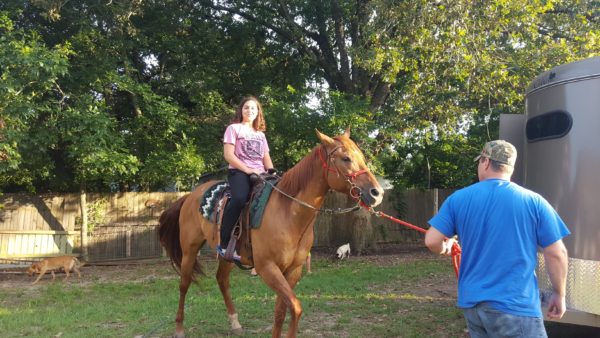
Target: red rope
<point x="456" y="251"/>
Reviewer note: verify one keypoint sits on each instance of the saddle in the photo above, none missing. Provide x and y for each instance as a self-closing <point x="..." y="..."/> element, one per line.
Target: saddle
<point x="214" y="201"/>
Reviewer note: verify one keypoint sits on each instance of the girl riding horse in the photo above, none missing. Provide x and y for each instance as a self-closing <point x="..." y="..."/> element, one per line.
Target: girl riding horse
<point x="285" y="236"/>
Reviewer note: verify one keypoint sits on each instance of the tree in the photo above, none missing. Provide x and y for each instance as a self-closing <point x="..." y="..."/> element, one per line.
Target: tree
<point x="29" y="93"/>
<point x="104" y="124"/>
<point x="408" y="76"/>
<point x="472" y="62"/>
<point x="430" y="71"/>
<point x="330" y="36"/>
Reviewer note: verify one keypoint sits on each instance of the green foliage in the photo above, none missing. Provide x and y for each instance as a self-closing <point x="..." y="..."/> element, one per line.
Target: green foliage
<point x="184" y="162"/>
<point x="111" y="95"/>
<point x="291" y="125"/>
<point x="96" y="214"/>
<point x="28" y="95"/>
<point x="464" y="64"/>
<point x="92" y="145"/>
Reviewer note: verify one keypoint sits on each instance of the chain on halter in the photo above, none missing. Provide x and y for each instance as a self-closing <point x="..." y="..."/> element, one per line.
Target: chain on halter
<point x="355" y="191"/>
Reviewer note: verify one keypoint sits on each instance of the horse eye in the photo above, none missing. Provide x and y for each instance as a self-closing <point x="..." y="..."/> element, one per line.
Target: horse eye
<point x="346" y="159"/>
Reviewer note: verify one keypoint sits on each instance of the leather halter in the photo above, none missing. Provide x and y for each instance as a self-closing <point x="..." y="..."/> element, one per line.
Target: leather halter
<point x="355" y="191"/>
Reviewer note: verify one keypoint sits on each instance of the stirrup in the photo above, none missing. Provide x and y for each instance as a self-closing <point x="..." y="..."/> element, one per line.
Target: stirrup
<point x="222" y="252"/>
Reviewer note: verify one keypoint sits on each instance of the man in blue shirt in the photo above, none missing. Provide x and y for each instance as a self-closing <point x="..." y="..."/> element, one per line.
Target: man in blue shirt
<point x="500" y="225"/>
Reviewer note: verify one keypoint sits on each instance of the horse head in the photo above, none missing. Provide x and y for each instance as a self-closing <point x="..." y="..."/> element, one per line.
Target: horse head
<point x="346" y="171"/>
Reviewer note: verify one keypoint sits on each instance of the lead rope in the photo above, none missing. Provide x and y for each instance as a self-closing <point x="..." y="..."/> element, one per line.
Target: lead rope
<point x="456" y="250"/>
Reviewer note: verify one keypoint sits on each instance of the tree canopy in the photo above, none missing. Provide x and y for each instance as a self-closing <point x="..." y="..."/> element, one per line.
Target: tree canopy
<point x="135" y="95"/>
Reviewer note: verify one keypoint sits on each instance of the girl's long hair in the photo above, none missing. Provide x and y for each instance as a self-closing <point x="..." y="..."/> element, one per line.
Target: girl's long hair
<point x="259" y="123"/>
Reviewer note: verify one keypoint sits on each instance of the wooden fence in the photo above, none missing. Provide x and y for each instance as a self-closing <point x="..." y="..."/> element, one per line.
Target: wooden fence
<point x="125" y="224"/>
<point x="368" y="233"/>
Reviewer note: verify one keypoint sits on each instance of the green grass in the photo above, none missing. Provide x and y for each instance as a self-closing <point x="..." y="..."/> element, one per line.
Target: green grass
<point x="353" y="298"/>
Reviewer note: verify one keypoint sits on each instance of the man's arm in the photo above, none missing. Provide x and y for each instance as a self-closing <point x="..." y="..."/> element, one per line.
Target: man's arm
<point x="557" y="262"/>
<point x="434" y="240"/>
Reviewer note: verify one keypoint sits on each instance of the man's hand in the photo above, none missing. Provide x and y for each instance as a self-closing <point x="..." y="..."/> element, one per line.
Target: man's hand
<point x="556" y="307"/>
<point x="447" y="245"/>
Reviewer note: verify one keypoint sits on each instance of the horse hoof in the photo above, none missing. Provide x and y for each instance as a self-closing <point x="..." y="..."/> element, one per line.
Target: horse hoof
<point x="238" y="331"/>
<point x="178" y="335"/>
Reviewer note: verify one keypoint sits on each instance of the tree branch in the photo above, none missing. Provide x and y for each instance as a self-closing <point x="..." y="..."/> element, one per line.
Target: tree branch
<point x="294" y="34"/>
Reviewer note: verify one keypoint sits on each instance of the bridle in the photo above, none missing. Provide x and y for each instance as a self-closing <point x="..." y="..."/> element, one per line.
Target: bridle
<point x="355" y="191"/>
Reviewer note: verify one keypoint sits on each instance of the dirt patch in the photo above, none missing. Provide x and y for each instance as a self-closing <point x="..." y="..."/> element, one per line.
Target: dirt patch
<point x="141" y="271"/>
<point x="161" y="269"/>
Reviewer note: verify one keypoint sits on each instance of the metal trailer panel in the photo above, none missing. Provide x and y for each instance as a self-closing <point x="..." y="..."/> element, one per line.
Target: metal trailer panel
<point x="564" y="171"/>
<point x="512" y="129"/>
<point x="574" y="71"/>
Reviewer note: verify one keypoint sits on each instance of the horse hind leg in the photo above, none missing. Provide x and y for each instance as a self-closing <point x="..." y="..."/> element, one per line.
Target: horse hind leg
<point x="187" y="265"/>
<point x="223" y="273"/>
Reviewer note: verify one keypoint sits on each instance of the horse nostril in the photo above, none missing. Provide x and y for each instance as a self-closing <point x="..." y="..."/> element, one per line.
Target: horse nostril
<point x="374" y="192"/>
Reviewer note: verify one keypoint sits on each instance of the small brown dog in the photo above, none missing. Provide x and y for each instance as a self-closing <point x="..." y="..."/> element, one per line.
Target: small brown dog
<point x="54" y="263"/>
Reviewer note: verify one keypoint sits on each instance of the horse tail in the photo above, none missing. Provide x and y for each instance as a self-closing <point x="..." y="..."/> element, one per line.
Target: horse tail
<point x="168" y="234"/>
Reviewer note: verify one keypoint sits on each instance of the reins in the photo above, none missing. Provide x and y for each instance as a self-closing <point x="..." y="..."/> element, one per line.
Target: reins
<point x="355" y="193"/>
<point x="326" y="211"/>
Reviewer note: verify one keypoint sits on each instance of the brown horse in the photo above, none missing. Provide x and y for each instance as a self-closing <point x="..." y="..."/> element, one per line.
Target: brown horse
<point x="284" y="239"/>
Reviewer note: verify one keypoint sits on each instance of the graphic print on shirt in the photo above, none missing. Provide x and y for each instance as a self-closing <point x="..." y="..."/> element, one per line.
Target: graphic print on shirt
<point x="253" y="149"/>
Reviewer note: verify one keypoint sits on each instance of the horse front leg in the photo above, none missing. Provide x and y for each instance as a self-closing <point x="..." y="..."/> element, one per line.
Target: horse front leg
<point x="292" y="278"/>
<point x="187" y="265"/>
<point x="286" y="298"/>
<point x="280" y="311"/>
<point x="223" y="273"/>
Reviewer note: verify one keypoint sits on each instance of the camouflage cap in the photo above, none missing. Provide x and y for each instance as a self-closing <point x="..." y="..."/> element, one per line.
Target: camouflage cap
<point x="499" y="151"/>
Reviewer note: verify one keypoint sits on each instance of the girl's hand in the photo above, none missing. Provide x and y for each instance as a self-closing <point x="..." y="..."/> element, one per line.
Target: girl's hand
<point x="254" y="171"/>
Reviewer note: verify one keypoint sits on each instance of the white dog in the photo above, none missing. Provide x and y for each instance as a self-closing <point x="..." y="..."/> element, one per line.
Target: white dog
<point x="343" y="251"/>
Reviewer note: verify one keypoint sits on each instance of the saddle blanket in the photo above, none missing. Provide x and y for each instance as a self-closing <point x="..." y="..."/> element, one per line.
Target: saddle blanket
<point x="211" y="203"/>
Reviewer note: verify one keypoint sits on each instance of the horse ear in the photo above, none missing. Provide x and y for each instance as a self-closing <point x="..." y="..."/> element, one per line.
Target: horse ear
<point x="326" y="140"/>
<point x="347" y="132"/>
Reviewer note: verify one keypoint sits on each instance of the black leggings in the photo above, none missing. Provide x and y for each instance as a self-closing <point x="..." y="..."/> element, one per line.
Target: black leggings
<point x="240" y="193"/>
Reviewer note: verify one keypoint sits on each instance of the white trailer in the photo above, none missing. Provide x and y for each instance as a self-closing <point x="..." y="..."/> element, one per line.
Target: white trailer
<point x="558" y="141"/>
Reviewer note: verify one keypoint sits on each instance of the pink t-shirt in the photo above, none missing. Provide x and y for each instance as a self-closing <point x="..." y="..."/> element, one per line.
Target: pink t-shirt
<point x="250" y="145"/>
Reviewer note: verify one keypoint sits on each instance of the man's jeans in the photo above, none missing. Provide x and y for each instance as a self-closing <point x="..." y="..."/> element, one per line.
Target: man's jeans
<point x="484" y="321"/>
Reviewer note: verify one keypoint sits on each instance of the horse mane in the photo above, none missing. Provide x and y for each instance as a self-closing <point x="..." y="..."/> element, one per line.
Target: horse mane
<point x="296" y="178"/>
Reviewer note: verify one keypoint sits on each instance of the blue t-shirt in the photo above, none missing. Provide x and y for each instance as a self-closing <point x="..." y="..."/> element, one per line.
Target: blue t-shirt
<point x="499" y="225"/>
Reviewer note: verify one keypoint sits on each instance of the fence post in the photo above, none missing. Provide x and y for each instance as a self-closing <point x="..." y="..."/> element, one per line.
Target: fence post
<point x="84" y="224"/>
<point x="128" y="242"/>
<point x="435" y="201"/>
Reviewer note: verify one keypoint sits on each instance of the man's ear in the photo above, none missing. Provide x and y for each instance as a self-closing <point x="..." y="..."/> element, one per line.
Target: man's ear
<point x="325" y="140"/>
